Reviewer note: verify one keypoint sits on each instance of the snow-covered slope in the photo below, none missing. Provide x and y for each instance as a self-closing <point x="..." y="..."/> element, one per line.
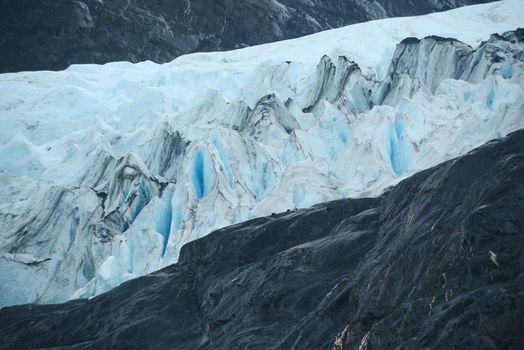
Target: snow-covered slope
<point x="107" y="171"/>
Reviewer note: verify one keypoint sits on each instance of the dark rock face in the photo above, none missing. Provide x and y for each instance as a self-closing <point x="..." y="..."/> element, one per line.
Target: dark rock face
<point x="53" y="34"/>
<point x="436" y="262"/>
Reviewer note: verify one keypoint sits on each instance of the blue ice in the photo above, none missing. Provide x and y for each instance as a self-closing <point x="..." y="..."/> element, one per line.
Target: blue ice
<point x="202" y="176"/>
<point x="399" y="148"/>
<point x="163" y="224"/>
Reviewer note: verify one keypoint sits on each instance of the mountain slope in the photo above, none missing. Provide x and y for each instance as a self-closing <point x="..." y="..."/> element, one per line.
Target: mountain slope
<point x="51" y="34"/>
<point x="108" y="171"/>
<point x="436" y="262"/>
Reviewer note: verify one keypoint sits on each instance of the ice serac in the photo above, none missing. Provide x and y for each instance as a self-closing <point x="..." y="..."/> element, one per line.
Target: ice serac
<point x="269" y="121"/>
<point x="425" y="63"/>
<point x="433" y="263"/>
<point x="107" y="171"/>
<point x="331" y="81"/>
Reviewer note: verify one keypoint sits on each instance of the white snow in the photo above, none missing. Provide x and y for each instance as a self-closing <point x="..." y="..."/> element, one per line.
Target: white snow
<point x="57" y="127"/>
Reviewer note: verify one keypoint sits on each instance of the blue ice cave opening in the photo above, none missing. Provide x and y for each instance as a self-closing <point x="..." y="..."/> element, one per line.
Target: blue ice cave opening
<point x="399" y="148"/>
<point x="143" y="197"/>
<point x="165" y="217"/>
<point x="138" y="205"/>
<point x="201" y="174"/>
<point x="169" y="220"/>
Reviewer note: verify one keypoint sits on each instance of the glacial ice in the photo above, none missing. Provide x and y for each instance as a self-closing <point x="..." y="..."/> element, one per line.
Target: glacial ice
<point x="202" y="173"/>
<point x="108" y="170"/>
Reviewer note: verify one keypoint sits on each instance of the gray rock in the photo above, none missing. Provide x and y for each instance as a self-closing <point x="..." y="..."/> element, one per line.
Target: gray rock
<point x="411" y="269"/>
<point x="53" y="34"/>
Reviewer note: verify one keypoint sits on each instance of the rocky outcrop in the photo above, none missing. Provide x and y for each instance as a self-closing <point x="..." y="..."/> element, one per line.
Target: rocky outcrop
<point x="53" y="34"/>
<point x="436" y="262"/>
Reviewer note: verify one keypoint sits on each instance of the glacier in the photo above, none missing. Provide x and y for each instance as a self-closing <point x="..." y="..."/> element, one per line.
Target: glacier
<point x="107" y="170"/>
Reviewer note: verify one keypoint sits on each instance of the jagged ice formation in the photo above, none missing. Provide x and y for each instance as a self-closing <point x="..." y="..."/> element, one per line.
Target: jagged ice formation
<point x="113" y="168"/>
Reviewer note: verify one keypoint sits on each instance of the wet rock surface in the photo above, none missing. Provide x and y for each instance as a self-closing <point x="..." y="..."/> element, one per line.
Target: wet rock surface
<point x="53" y="34"/>
<point x="436" y="262"/>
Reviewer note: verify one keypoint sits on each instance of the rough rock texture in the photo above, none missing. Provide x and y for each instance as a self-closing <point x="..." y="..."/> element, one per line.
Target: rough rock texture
<point x="436" y="263"/>
<point x="52" y="34"/>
